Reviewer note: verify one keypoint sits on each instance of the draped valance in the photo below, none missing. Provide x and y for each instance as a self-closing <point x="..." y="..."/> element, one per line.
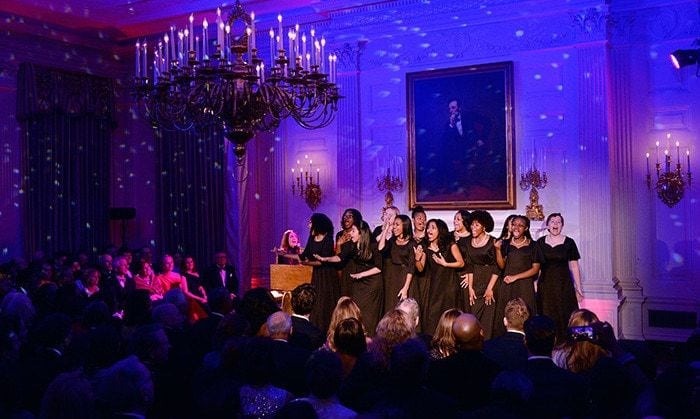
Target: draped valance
<point x="48" y="90"/>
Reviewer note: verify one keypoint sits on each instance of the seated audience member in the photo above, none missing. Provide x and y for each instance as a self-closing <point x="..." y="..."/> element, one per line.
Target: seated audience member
<point x="344" y="309"/>
<point x="304" y="333"/>
<point x="258" y="396"/>
<point x="118" y="286"/>
<point x="125" y="390"/>
<point x="289" y="250"/>
<point x="202" y="331"/>
<point x="410" y="307"/>
<point x="588" y="352"/>
<point x="508" y="350"/>
<point x="350" y="343"/>
<point x="447" y="375"/>
<point x="256" y="306"/>
<point x="288" y="360"/>
<point x="405" y="395"/>
<point x="557" y="393"/>
<point x="91" y="284"/>
<point x="443" y="343"/>
<point x="510" y="393"/>
<point x="365" y="385"/>
<point x="220" y="274"/>
<point x="69" y="396"/>
<point x="324" y="374"/>
<point x="145" y="279"/>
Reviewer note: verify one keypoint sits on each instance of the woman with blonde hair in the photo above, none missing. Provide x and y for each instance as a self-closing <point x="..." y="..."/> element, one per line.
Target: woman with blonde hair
<point x="344" y="309"/>
<point x="443" y="343"/>
<point x="579" y="353"/>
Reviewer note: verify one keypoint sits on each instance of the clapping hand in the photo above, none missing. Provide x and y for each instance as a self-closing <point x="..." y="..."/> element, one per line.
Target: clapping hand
<point x="437" y="257"/>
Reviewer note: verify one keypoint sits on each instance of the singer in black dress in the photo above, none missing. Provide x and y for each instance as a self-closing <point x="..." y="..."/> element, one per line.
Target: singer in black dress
<point x="482" y="271"/>
<point x="399" y="263"/>
<point x="520" y="258"/>
<point x="420" y="279"/>
<point x="559" y="286"/>
<point x="363" y="262"/>
<point x="462" y="236"/>
<point x="324" y="277"/>
<point x="442" y="260"/>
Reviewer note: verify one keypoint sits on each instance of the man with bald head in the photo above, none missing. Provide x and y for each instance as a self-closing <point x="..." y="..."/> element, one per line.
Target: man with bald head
<point x="288" y="360"/>
<point x="465" y="376"/>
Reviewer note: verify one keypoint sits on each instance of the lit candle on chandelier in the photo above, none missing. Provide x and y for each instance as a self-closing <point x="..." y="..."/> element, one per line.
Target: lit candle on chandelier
<point x="678" y="152"/>
<point x="687" y="154"/>
<point x="138" y="60"/>
<point x="279" y="32"/>
<point x="252" y="26"/>
<point x="668" y="160"/>
<point x="191" y="32"/>
<point x="318" y="176"/>
<point x="172" y="46"/>
<point x="205" y="46"/>
<point x="144" y="72"/>
<point x="272" y="47"/>
<point x="219" y="28"/>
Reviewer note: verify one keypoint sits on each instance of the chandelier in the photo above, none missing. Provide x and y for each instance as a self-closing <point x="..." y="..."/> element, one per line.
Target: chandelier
<point x="195" y="83"/>
<point x="670" y="184"/>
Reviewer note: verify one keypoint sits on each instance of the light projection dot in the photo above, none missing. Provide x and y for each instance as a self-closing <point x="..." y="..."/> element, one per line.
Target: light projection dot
<point x="433" y="54"/>
<point x="653" y="55"/>
<point x="384" y="94"/>
<point x="676" y="256"/>
<point x="565" y="55"/>
<point x="555" y="65"/>
<point x="587" y="74"/>
<point x="151" y="222"/>
<point x="555" y="35"/>
<point x="257" y="196"/>
<point x="153" y="242"/>
<point x="560" y="117"/>
<point x="543" y="116"/>
<point x="560" y="87"/>
<point x="5" y="250"/>
<point x="425" y="45"/>
<point x="537" y="76"/>
<point x="582" y="147"/>
<point x="550" y="134"/>
<point x="519" y="33"/>
<point x="87" y="225"/>
<point x="266" y="159"/>
<point x="449" y="55"/>
<point x="272" y="149"/>
<point x="455" y="17"/>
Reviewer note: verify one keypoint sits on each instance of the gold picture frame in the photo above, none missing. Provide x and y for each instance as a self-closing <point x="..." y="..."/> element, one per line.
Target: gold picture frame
<point x="461" y="137"/>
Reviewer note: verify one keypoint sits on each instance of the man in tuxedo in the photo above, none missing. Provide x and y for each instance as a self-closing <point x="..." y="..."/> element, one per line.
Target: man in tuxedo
<point x="509" y="351"/>
<point x="467" y="375"/>
<point x="557" y="392"/>
<point x="119" y="285"/>
<point x="221" y="274"/>
<point x="304" y="333"/>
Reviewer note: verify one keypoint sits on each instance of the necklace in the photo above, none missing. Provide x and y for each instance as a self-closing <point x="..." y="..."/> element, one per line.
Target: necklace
<point x="520" y="243"/>
<point x="478" y="242"/>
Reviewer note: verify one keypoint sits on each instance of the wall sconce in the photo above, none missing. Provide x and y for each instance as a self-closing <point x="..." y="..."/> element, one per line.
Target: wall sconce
<point x="303" y="183"/>
<point x="391" y="183"/>
<point x="670" y="184"/>
<point x="534" y="180"/>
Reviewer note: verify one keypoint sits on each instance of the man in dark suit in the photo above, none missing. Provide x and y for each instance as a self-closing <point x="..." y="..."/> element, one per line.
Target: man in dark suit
<point x="304" y="333"/>
<point x="288" y="361"/>
<point x="221" y="274"/>
<point x="509" y="351"/>
<point x="557" y="392"/>
<point x="118" y="286"/>
<point x="467" y="375"/>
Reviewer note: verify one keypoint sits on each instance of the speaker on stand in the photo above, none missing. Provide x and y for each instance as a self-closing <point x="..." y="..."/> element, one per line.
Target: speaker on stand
<point x="122" y="214"/>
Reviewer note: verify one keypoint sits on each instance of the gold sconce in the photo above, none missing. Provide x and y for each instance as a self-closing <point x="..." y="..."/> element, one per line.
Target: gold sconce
<point x="670" y="184"/>
<point x="303" y="183"/>
<point x="533" y="179"/>
<point x="391" y="183"/>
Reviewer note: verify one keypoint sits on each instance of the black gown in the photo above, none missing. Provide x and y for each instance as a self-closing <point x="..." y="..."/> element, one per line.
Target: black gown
<point x="344" y="284"/>
<point x="517" y="260"/>
<point x="461" y="243"/>
<point x="556" y="296"/>
<point x="325" y="279"/>
<point x="481" y="261"/>
<point x="367" y="292"/>
<point x="399" y="261"/>
<point x="444" y="288"/>
<point x="421" y="280"/>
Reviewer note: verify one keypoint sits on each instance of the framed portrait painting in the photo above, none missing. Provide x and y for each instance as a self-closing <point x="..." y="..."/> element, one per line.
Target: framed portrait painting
<point x="461" y="137"/>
